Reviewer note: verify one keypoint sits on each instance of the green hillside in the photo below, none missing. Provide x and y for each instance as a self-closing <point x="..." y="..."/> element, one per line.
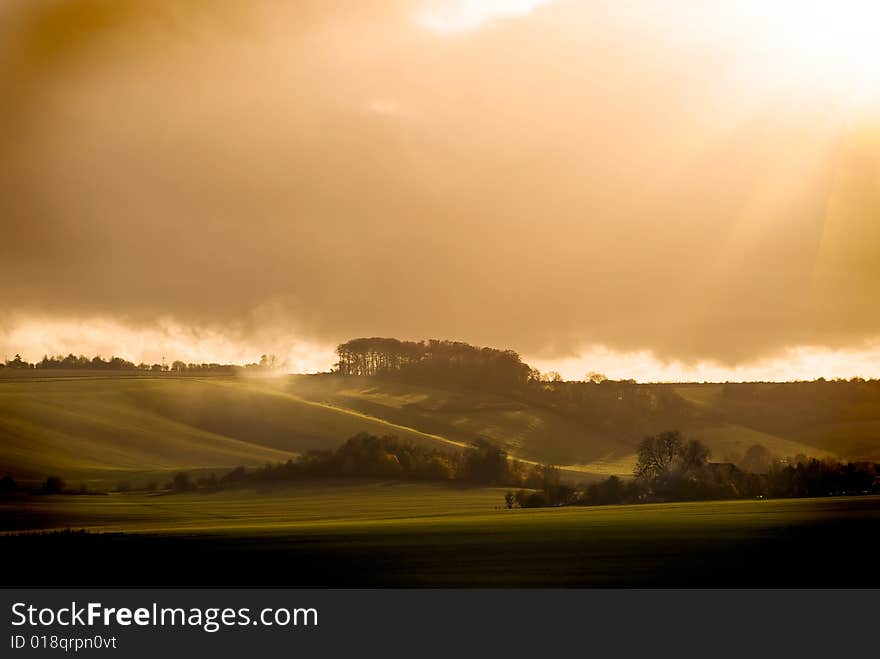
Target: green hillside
<point x="106" y="428"/>
<point x="840" y="419"/>
<point x="102" y="429"/>
<point x="526" y="430"/>
<point x="540" y="432"/>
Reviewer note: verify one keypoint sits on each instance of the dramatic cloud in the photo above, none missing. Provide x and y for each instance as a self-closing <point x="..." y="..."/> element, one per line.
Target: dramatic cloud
<point x="551" y="176"/>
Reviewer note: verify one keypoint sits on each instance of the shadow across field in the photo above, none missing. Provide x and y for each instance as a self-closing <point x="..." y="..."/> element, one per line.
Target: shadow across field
<point x="803" y="543"/>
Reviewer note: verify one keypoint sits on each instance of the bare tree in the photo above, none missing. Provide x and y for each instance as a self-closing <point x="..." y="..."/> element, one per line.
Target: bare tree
<point x="657" y="454"/>
<point x="694" y="455"/>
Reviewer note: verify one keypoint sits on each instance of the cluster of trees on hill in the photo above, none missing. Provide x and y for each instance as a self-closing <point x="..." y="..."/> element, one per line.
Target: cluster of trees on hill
<point x="433" y="360"/>
<point x="621" y="409"/>
<point x="97" y="363"/>
<point x="370" y="456"/>
<point x="672" y="469"/>
<point x="16" y="362"/>
<point x="669" y="468"/>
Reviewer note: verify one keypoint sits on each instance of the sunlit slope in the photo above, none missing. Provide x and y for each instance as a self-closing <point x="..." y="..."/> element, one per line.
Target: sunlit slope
<point x="144" y="428"/>
<point x="547" y="435"/>
<point x="109" y="427"/>
<point x="527" y="431"/>
<point x="834" y="419"/>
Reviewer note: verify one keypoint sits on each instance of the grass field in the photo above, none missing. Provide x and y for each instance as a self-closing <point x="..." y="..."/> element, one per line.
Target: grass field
<point x="387" y="534"/>
<point x="319" y="503"/>
<point x="103" y="429"/>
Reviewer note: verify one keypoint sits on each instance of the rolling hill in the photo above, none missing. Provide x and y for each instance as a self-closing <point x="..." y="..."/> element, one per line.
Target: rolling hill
<point x="542" y="432"/>
<point x="109" y="428"/>
<point x="105" y="428"/>
<point x="465" y="415"/>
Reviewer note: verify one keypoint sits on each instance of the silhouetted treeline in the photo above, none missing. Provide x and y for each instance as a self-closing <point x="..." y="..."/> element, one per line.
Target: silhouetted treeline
<point x="51" y="485"/>
<point x="16" y="362"/>
<point x="369" y="456"/>
<point x="672" y="469"/>
<point x="624" y="410"/>
<point x="433" y="360"/>
<point x="97" y="363"/>
<point x="620" y="409"/>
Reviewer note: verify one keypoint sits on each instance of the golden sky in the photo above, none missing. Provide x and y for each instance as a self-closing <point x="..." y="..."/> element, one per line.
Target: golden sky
<point x="685" y="191"/>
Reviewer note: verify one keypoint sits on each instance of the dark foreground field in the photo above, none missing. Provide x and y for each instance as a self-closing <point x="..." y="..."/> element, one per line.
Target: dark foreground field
<point x="382" y="534"/>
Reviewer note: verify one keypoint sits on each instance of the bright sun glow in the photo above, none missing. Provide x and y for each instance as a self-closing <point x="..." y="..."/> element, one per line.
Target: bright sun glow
<point x="839" y="41"/>
<point x="452" y="16"/>
<point x="817" y="46"/>
<point x="820" y="47"/>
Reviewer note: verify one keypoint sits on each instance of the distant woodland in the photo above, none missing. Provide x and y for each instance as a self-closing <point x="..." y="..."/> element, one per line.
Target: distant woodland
<point x="619" y="410"/>
<point x="97" y="363"/>
<point x="623" y="409"/>
<point x="433" y="360"/>
<point x="669" y="468"/>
